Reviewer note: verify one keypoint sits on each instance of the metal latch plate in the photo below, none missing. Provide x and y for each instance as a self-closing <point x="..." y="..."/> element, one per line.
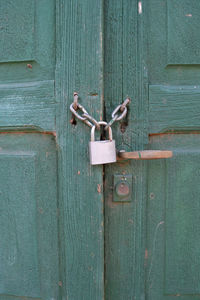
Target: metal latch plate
<point x="123" y="185"/>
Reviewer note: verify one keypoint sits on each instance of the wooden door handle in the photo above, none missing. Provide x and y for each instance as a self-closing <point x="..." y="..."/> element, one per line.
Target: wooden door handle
<point x="144" y="154"/>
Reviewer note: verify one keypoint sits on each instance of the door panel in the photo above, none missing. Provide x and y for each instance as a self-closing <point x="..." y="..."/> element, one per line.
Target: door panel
<point x="28" y="179"/>
<point x="28" y="106"/>
<point x="183" y="40"/>
<point x="173" y="191"/>
<point x="173" y="108"/>
<point x="49" y="49"/>
<point x="28" y="222"/>
<point x="173" y="225"/>
<point x="27" y="64"/>
<point x="29" y="257"/>
<point x="27" y="40"/>
<point x="172" y="32"/>
<point x="19" y="261"/>
<point x="173" y="64"/>
<point x="152" y="242"/>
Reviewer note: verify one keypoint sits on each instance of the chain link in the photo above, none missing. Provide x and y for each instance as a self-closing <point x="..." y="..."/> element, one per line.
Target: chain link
<point x="87" y="118"/>
<point x="125" y="103"/>
<point x="75" y="104"/>
<point x="115" y="116"/>
<point x="76" y="114"/>
<point x="93" y="120"/>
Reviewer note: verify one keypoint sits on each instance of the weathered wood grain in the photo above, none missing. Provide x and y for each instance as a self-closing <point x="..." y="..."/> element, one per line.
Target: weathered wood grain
<point x="172" y="104"/>
<point x="28" y="224"/>
<point x="124" y="76"/>
<point x="172" y="248"/>
<point x="28" y="105"/>
<point x="29" y="255"/>
<point x="173" y="108"/>
<point x="183" y="27"/>
<point x="27" y="115"/>
<point x="79" y="68"/>
<point x="27" y="35"/>
<point x="171" y="255"/>
<point x="35" y="90"/>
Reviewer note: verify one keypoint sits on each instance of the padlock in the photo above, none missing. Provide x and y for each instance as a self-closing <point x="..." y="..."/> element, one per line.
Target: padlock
<point x="102" y="152"/>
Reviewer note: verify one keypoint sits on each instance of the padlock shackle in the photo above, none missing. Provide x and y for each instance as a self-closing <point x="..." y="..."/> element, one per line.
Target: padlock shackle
<point x="93" y="131"/>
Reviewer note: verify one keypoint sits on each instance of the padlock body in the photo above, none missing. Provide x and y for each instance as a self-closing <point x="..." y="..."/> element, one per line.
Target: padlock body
<point x="102" y="152"/>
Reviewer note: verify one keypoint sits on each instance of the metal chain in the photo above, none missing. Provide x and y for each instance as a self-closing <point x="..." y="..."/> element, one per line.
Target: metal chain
<point x="72" y="121"/>
<point x="86" y="117"/>
<point x="75" y="100"/>
<point x="95" y="122"/>
<point x="116" y="116"/>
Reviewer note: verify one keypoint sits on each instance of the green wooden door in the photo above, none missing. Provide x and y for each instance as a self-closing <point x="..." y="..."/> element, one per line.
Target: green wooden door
<point x="61" y="233"/>
<point x="51" y="222"/>
<point x="152" y="243"/>
<point x="28" y="156"/>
